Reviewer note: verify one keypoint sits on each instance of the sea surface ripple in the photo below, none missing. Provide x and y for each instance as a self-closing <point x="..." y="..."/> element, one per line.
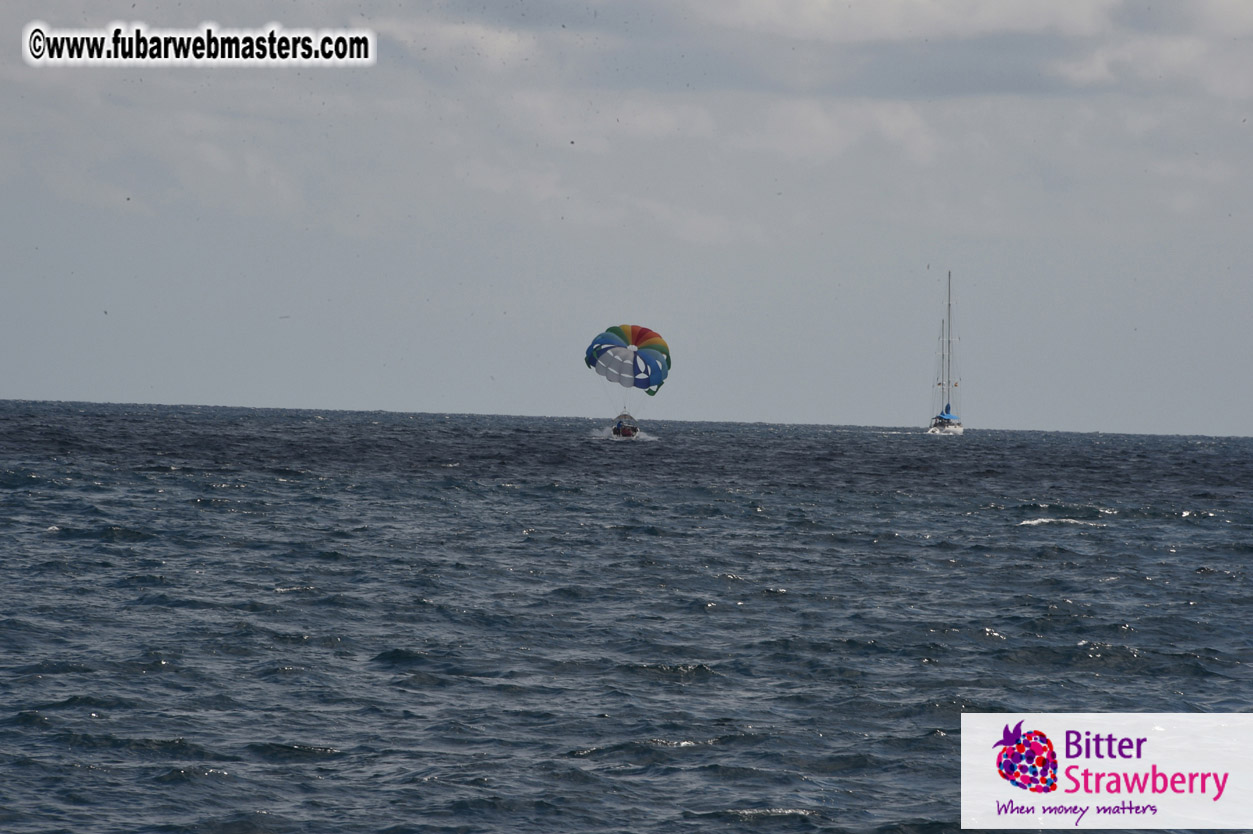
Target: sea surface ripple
<point x="240" y="620"/>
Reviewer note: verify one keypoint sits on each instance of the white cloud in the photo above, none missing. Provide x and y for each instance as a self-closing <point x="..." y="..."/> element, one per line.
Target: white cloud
<point x="702" y="228"/>
<point x="898" y="20"/>
<point x="463" y="45"/>
<point x="819" y="130"/>
<point x="1208" y="51"/>
<point x="1227" y="19"/>
<point x="564" y="117"/>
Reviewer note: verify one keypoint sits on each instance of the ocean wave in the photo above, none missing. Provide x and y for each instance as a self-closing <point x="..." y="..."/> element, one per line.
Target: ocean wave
<point x="438" y="623"/>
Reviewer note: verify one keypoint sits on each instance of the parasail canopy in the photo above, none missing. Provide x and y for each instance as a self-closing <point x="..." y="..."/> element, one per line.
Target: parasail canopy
<point x="631" y="356"/>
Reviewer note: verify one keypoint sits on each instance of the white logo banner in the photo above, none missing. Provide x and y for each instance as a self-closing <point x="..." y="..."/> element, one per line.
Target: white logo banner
<point x="1107" y="770"/>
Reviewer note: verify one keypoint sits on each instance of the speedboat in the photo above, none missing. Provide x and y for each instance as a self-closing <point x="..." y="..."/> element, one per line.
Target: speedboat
<point x="625" y="427"/>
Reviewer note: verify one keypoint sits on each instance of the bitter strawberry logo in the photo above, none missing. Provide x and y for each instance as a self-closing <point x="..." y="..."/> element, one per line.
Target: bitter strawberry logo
<point x="1027" y="760"/>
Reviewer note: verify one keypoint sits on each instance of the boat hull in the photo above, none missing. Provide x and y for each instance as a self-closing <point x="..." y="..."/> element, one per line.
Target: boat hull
<point x="625" y="428"/>
<point x="945" y="430"/>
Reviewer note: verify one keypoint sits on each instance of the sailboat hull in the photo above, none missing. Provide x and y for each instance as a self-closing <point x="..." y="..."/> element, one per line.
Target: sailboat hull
<point x="945" y="430"/>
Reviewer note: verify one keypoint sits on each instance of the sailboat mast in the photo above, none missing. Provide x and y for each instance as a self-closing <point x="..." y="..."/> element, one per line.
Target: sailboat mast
<point x="946" y="421"/>
<point x="948" y="343"/>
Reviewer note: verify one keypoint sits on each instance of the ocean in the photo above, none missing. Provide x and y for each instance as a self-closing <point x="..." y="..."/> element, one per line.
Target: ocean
<point x="239" y="620"/>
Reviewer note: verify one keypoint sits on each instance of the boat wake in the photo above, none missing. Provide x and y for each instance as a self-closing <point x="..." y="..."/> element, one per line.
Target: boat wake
<point x="640" y="437"/>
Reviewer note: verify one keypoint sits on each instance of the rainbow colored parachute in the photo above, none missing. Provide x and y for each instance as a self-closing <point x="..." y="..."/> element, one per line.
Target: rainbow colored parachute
<point x="632" y="356"/>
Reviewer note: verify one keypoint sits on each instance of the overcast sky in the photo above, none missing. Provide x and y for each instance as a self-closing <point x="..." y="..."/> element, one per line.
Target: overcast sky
<point x="778" y="187"/>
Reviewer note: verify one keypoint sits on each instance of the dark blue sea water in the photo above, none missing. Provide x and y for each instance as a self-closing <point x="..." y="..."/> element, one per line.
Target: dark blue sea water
<point x="233" y="620"/>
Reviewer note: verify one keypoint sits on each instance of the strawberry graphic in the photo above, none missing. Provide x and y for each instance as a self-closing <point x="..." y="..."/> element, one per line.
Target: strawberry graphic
<point x="1027" y="760"/>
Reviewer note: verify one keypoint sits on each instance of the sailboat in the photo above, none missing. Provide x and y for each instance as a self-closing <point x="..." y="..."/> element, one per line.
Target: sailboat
<point x="946" y="420"/>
